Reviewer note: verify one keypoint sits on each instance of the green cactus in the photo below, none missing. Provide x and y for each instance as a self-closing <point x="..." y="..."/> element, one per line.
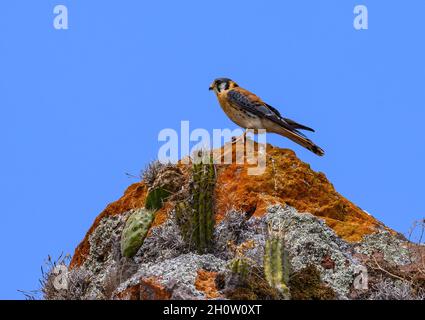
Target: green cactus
<point x="139" y="222"/>
<point x="276" y="264"/>
<point x="240" y="267"/>
<point x="135" y="231"/>
<point x="195" y="216"/>
<point x="183" y="211"/>
<point x="156" y="198"/>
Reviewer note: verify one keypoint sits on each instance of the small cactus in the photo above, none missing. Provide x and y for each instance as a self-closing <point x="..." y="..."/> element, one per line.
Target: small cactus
<point x="276" y="264"/>
<point x="155" y="199"/>
<point x="135" y="231"/>
<point x="139" y="222"/>
<point x="195" y="215"/>
<point x="240" y="267"/>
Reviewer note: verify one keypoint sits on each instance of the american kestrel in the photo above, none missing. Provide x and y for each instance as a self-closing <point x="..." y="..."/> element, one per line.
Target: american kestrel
<point x="250" y="112"/>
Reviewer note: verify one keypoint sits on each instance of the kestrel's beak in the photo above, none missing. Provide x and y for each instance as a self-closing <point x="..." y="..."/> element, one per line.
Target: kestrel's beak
<point x="211" y="88"/>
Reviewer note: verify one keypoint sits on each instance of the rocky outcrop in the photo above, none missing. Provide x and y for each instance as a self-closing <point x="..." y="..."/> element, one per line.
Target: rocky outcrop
<point x="334" y="249"/>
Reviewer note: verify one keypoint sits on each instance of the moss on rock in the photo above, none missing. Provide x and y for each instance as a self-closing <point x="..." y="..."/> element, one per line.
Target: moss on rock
<point x="253" y="287"/>
<point x="307" y="285"/>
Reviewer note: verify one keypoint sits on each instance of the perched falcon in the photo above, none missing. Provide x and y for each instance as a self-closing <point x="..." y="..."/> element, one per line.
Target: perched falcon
<point x="250" y="112"/>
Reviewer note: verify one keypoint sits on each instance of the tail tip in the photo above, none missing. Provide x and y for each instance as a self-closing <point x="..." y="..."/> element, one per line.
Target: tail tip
<point x="317" y="150"/>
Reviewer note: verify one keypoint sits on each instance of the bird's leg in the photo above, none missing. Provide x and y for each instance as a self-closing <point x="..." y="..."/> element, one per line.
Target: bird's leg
<point x="240" y="137"/>
<point x="234" y="141"/>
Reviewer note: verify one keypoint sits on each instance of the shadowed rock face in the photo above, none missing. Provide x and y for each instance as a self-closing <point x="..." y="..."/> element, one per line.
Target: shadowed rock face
<point x="328" y="239"/>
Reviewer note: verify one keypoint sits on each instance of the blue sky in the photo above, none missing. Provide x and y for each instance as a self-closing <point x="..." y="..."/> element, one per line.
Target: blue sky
<point x="83" y="106"/>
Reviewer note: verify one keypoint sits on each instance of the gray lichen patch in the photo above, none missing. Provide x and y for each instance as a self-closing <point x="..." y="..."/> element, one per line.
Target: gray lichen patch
<point x="311" y="242"/>
<point x="164" y="242"/>
<point x="177" y="274"/>
<point x="307" y="238"/>
<point x="165" y="256"/>
<point x="394" y="250"/>
<point x="104" y="244"/>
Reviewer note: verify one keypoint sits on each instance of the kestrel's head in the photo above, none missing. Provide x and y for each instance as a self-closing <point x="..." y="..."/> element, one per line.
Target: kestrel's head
<point x="223" y="84"/>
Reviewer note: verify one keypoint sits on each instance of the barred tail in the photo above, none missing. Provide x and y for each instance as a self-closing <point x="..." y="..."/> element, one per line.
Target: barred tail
<point x="301" y="140"/>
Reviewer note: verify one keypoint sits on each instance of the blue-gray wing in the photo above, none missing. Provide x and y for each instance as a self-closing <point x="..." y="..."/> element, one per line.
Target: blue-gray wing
<point x="260" y="109"/>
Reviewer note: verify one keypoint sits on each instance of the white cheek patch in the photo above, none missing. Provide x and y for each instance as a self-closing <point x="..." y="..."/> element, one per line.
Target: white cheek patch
<point x="222" y="86"/>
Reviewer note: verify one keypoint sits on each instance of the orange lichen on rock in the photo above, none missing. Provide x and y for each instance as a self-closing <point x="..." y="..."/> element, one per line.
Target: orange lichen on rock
<point x="133" y="198"/>
<point x="205" y="282"/>
<point x="162" y="214"/>
<point x="289" y="180"/>
<point x="146" y="289"/>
